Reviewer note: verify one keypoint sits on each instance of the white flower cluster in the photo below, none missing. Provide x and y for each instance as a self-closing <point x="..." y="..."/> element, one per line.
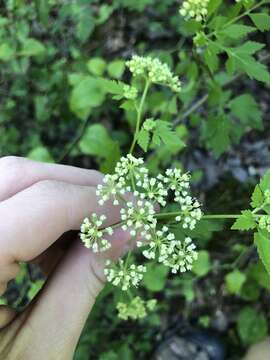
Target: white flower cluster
<point x="182" y="255"/>
<point x="154" y="70"/>
<point x="138" y="216"/>
<point x="92" y="236"/>
<point x="178" y="255"/>
<point x="119" y="274"/>
<point x="194" y="9"/>
<point x="264" y="222"/>
<point x="190" y="208"/>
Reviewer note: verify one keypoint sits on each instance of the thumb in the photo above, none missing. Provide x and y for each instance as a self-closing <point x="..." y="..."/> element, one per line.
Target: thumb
<point x="58" y="317"/>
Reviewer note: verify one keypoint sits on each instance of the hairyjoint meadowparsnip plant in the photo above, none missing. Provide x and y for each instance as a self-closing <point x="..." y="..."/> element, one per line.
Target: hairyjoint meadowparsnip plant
<point x="143" y="198"/>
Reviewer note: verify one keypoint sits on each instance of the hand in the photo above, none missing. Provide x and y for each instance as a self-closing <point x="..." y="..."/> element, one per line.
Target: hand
<point x="38" y="204"/>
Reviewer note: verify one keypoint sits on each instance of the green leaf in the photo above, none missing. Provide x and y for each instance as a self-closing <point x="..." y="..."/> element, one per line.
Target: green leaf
<point x="261" y="21"/>
<point x="86" y="95"/>
<point x="245" y="221"/>
<point x="116" y="68"/>
<point x="218" y="130"/>
<point x="258" y="273"/>
<point x="246" y="109"/>
<point x="211" y="58"/>
<point x="96" y="66"/>
<point x="40" y="153"/>
<point x="251" y="326"/>
<point x="262" y="243"/>
<point x="164" y="133"/>
<point x="155" y="277"/>
<point x="257" y="197"/>
<point x="237" y="31"/>
<point x="6" y="52"/>
<point x="202" y="265"/>
<point x="96" y="141"/>
<point x="234" y="281"/>
<point x="253" y="68"/>
<point x="112" y="86"/>
<point x="32" y="47"/>
<point x="250" y="47"/>
<point x="265" y="181"/>
<point x="143" y="139"/>
<point x="213" y="6"/>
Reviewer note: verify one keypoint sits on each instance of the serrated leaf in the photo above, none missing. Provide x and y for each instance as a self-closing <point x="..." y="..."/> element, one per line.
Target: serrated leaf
<point x="250" y="47"/>
<point x="262" y="243"/>
<point x="248" y="64"/>
<point x="245" y="108"/>
<point x="164" y="133"/>
<point x="245" y="221"/>
<point x="237" y="31"/>
<point x="234" y="281"/>
<point x="265" y="181"/>
<point x="112" y="86"/>
<point x="218" y="134"/>
<point x="143" y="139"/>
<point x="261" y="21"/>
<point x="257" y="197"/>
<point x="211" y="59"/>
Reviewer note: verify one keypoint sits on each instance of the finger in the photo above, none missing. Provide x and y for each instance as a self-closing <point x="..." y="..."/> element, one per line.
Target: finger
<point x="16" y="174"/>
<point x="7" y="314"/>
<point x="59" y="314"/>
<point x="48" y="260"/>
<point x="40" y="214"/>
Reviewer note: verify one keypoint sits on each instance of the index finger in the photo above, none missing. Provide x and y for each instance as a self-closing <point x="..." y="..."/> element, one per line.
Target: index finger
<point x="17" y="174"/>
<point x="35" y="218"/>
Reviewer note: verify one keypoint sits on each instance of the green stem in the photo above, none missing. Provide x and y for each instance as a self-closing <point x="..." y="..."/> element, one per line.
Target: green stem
<point x="163" y="216"/>
<point x="139" y="116"/>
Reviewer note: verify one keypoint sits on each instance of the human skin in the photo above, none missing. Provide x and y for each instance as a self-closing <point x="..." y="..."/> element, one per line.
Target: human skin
<point x="39" y="206"/>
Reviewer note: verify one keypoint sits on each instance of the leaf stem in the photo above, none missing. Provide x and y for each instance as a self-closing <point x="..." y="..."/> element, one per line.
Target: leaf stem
<point x="162" y="216"/>
<point x="139" y="115"/>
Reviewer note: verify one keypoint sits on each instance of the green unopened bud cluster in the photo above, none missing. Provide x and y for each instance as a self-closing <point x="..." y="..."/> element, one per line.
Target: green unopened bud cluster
<point x="264" y="222"/>
<point x="136" y="309"/>
<point x="154" y="71"/>
<point x="194" y="9"/>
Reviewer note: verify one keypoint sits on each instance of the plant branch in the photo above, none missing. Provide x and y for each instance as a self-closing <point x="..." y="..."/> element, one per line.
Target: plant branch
<point x="75" y="141"/>
<point x="139" y="116"/>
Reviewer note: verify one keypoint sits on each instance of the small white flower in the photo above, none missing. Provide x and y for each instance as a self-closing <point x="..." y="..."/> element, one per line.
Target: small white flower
<point x="154" y="190"/>
<point x="181" y="255"/>
<point x="159" y="245"/>
<point x="191" y="212"/>
<point x="92" y="236"/>
<point x="138" y="217"/>
<point x="119" y="274"/>
<point x="113" y="187"/>
<point x="176" y="181"/>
